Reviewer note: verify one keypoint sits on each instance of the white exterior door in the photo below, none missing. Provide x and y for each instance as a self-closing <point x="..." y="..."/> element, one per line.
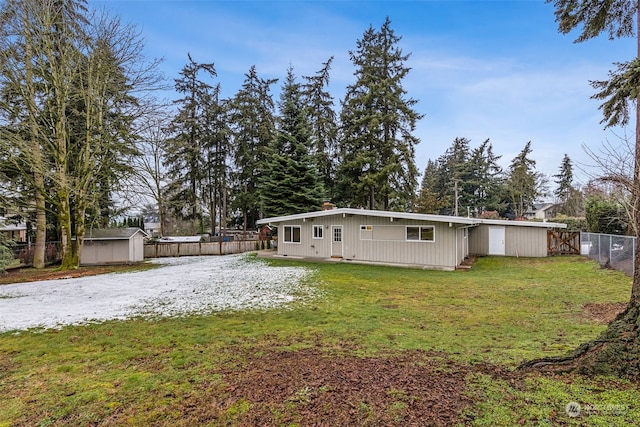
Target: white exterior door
<point x="336" y="241"/>
<point x="496" y="241"/>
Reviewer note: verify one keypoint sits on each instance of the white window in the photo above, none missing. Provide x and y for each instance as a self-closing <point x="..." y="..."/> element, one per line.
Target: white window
<point x="318" y="231"/>
<point x="421" y="234"/>
<point x="292" y="233"/>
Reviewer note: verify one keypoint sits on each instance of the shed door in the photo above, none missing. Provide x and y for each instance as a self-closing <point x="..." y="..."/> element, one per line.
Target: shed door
<point x="336" y="241"/>
<point x="496" y="241"/>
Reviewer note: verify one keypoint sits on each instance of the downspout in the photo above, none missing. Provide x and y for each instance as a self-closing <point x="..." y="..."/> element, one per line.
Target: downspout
<point x="462" y="228"/>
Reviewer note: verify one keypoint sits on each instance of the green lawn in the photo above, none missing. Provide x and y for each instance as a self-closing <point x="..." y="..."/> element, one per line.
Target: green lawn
<point x="501" y="312"/>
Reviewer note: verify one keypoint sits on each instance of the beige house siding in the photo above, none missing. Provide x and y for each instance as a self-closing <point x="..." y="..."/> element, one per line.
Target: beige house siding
<point x="479" y="240"/>
<point x="525" y="241"/>
<point x="519" y="240"/>
<point x="377" y="239"/>
<point x="434" y="241"/>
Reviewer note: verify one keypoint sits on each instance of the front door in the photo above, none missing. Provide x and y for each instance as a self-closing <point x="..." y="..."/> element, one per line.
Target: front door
<point x="496" y="241"/>
<point x="336" y="241"/>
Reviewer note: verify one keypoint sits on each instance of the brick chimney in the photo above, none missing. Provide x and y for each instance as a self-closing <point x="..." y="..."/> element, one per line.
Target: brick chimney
<point x="327" y="206"/>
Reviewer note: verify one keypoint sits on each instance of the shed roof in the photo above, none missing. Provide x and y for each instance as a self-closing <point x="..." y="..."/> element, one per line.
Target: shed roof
<point x="181" y="239"/>
<point x="113" y="233"/>
<point x="406" y="215"/>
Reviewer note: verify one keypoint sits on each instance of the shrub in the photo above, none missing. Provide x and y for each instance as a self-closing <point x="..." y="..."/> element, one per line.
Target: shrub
<point x="6" y="257"/>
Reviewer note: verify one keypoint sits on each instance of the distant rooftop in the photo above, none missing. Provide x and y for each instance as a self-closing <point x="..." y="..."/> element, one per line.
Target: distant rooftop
<point x="113" y="233"/>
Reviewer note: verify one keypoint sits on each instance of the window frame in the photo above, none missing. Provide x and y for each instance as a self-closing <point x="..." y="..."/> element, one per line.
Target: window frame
<point x="420" y="231"/>
<point x="317" y="236"/>
<point x="292" y="234"/>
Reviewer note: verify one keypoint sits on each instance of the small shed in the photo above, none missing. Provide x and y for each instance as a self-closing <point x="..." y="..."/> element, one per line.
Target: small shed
<point x="113" y="246"/>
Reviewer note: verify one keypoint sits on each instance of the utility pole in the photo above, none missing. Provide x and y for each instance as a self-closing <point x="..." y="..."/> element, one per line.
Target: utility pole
<point x="455" y="190"/>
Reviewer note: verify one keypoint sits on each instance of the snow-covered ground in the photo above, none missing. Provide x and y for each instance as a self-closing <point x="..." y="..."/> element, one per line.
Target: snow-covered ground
<point x="188" y="285"/>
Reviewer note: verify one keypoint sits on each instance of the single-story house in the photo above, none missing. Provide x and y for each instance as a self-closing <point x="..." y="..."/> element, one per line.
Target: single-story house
<point x="113" y="246"/>
<point x="410" y="239"/>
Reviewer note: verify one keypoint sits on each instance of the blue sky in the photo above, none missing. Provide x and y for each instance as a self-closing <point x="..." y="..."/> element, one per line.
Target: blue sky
<point x="480" y="69"/>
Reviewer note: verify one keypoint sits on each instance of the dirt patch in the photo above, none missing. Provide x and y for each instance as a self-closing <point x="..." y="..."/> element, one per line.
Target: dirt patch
<point x="28" y="274"/>
<point x="309" y="387"/>
<point x="603" y="312"/>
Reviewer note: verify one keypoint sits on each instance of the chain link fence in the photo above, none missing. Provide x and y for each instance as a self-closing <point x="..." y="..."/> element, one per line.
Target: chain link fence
<point x="609" y="250"/>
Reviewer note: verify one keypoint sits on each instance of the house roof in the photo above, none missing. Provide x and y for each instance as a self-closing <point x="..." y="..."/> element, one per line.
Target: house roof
<point x="113" y="233"/>
<point x="543" y="224"/>
<point x="405" y="215"/>
<point x="9" y="225"/>
<point x="366" y="212"/>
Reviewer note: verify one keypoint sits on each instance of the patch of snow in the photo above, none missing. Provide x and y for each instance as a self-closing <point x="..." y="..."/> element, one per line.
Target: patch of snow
<point x="182" y="286"/>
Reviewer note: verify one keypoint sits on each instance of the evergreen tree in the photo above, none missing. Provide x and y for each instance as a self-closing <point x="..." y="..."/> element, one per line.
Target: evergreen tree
<point x="525" y="184"/>
<point x="485" y="185"/>
<point x="568" y="196"/>
<point x="184" y="152"/>
<point x="605" y="215"/>
<point x="217" y="152"/>
<point x="429" y="201"/>
<point x="377" y="149"/>
<point x="473" y="175"/>
<point x="290" y="182"/>
<point x="252" y="124"/>
<point x="324" y="129"/>
<point x="454" y="176"/>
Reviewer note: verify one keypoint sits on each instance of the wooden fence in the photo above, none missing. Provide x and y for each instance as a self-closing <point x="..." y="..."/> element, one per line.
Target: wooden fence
<point x="174" y="249"/>
<point x="563" y="242"/>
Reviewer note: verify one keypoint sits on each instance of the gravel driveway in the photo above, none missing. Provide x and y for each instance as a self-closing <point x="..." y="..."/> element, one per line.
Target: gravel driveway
<point x="187" y="285"/>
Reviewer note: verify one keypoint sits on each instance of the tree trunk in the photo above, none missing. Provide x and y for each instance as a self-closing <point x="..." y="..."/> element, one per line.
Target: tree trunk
<point x="617" y="350"/>
<point x="41" y="230"/>
<point x="38" y="168"/>
<point x="614" y="352"/>
<point x="372" y="198"/>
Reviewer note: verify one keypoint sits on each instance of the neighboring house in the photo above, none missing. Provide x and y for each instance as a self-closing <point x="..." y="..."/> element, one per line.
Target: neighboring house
<point x="420" y="240"/>
<point x="152" y="229"/>
<point x="113" y="246"/>
<point x="542" y="211"/>
<point x="16" y="231"/>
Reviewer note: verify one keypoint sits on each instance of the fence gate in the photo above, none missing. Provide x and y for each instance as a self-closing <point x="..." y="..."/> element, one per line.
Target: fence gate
<point x="563" y="242"/>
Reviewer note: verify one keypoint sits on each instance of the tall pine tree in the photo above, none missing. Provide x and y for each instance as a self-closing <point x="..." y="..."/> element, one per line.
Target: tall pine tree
<point x="377" y="149"/>
<point x="324" y="128"/>
<point x="252" y="124"/>
<point x="184" y="152"/>
<point x="486" y="183"/>
<point x="525" y="184"/>
<point x="290" y="181"/>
